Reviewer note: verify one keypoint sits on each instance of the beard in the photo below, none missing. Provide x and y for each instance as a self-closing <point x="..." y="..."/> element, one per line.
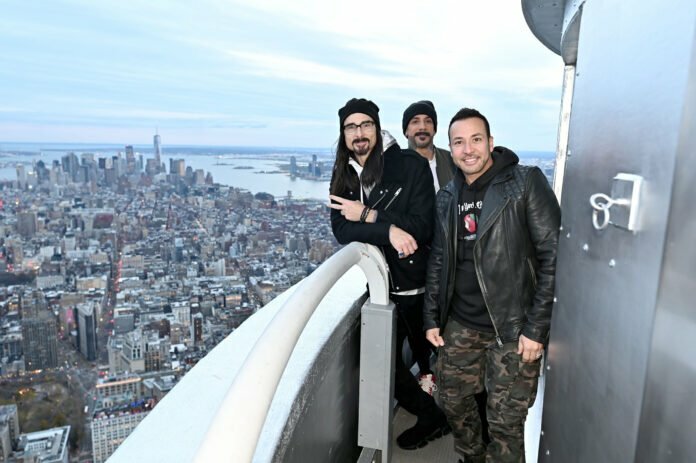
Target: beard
<point x="361" y="146"/>
<point x="422" y="139"/>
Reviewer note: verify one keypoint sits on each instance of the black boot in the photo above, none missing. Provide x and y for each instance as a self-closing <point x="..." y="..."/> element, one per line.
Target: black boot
<point x="476" y="459"/>
<point x="425" y="430"/>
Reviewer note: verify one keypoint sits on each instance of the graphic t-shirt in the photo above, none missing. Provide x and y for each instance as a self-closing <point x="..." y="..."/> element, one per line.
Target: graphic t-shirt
<point x="469" y="307"/>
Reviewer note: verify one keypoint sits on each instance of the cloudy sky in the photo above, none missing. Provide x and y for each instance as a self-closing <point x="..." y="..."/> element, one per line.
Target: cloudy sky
<point x="267" y="72"/>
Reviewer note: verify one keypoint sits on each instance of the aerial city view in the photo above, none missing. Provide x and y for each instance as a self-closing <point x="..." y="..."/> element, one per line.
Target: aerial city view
<point x="119" y="273"/>
<point x="152" y="201"/>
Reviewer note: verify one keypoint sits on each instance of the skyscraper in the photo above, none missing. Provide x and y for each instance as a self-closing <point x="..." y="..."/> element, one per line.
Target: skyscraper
<point x="21" y="176"/>
<point x="87" y="330"/>
<point x="27" y="224"/>
<point x="40" y="343"/>
<point x="158" y="150"/>
<point x="9" y="430"/>
<point x="130" y="159"/>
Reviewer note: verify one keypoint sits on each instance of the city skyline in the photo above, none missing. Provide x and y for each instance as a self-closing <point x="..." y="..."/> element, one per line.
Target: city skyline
<point x="225" y="73"/>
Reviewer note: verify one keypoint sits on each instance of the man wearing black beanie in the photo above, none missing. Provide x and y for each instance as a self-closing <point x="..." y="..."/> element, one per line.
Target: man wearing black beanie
<point x="419" y="124"/>
<point x="383" y="195"/>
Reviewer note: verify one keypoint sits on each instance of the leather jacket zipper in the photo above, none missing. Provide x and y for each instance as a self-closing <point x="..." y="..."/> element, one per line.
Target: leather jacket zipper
<point x="391" y="200"/>
<point x="480" y="281"/>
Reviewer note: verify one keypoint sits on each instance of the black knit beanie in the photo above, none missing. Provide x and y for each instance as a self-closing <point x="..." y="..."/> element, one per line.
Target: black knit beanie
<point x="419" y="107"/>
<point x="359" y="105"/>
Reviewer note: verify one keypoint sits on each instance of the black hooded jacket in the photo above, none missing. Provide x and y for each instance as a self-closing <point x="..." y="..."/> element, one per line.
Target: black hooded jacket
<point x="514" y="252"/>
<point x="404" y="197"/>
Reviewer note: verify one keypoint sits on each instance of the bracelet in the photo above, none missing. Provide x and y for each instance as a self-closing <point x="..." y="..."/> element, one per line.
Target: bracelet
<point x="364" y="214"/>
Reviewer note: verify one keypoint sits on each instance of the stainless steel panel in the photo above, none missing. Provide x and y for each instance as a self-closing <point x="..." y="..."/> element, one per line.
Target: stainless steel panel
<point x="571" y="31"/>
<point x="545" y="19"/>
<point x="632" y="72"/>
<point x="563" y="130"/>
<point x="323" y="424"/>
<point x="668" y="420"/>
<point x="377" y="357"/>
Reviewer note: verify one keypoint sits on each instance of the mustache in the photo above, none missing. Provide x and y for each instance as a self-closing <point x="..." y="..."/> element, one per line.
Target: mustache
<point x="423" y="132"/>
<point x="359" y="140"/>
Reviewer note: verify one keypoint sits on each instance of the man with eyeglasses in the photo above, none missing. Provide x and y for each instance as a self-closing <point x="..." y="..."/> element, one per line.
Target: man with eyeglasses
<point x="384" y="196"/>
<point x="489" y="289"/>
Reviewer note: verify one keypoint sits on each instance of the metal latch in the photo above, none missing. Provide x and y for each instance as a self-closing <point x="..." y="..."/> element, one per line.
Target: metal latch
<point x="625" y="194"/>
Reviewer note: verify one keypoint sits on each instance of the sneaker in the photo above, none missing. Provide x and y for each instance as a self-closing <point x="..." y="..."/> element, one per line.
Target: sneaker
<point x="427" y="383"/>
<point x="419" y="435"/>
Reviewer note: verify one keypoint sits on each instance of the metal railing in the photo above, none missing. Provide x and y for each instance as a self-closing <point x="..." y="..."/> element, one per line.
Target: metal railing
<point x="234" y="431"/>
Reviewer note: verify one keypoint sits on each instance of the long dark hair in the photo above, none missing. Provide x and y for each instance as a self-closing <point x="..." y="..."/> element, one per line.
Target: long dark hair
<point x="344" y="178"/>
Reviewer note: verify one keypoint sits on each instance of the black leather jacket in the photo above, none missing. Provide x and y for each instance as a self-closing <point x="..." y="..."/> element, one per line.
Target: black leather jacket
<point x="514" y="254"/>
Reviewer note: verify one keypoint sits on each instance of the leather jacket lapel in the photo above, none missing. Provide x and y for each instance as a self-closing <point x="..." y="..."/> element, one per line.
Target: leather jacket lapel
<point x="493" y="202"/>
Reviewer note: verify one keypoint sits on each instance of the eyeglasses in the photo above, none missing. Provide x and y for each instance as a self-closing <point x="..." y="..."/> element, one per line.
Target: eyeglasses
<point x="366" y="126"/>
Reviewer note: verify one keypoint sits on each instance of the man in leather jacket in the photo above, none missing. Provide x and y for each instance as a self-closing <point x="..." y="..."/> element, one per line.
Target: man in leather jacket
<point x="489" y="288"/>
<point x="384" y="196"/>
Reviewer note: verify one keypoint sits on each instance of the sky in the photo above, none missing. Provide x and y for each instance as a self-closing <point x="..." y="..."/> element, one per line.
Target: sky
<point x="267" y="72"/>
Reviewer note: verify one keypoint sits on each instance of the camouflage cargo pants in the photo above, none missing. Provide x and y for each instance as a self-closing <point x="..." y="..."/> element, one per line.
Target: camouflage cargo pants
<point x="469" y="361"/>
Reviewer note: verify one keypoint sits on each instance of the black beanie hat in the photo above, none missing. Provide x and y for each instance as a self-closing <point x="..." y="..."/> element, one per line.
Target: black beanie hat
<point x="359" y="105"/>
<point x="419" y="107"/>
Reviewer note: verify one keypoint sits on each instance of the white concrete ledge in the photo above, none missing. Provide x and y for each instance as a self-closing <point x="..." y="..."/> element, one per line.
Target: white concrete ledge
<point x="176" y="428"/>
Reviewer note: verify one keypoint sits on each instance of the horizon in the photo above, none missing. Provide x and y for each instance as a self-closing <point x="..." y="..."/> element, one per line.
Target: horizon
<point x="150" y="148"/>
<point x="215" y="74"/>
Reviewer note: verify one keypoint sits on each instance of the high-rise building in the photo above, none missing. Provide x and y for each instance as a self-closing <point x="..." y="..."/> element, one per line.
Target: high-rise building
<point x="21" y="176"/>
<point x="112" y="424"/>
<point x="130" y="159"/>
<point x="27" y="224"/>
<point x="197" y="328"/>
<point x="32" y="303"/>
<point x="151" y="167"/>
<point x="314" y="166"/>
<point x="158" y="149"/>
<point x="49" y="446"/>
<point x="177" y="167"/>
<point x="199" y="177"/>
<point x="133" y="351"/>
<point x="40" y="343"/>
<point x="87" y="330"/>
<point x="70" y="164"/>
<point x="156" y="352"/>
<point x="9" y="430"/>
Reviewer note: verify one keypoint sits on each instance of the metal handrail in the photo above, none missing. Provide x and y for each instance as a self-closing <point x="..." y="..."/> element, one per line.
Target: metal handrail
<point x="234" y="431"/>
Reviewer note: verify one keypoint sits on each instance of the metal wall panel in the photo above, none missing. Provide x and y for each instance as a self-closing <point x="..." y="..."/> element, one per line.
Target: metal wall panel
<point x="632" y="73"/>
<point x="323" y="425"/>
<point x="668" y="420"/>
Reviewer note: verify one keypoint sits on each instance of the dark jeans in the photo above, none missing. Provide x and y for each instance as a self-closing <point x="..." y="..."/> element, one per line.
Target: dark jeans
<point x="409" y="321"/>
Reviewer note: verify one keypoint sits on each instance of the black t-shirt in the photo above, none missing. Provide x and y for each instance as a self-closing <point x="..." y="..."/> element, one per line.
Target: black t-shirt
<point x="468" y="305"/>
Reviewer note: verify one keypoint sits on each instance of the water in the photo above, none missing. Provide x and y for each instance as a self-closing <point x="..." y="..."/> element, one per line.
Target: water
<point x="251" y="168"/>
